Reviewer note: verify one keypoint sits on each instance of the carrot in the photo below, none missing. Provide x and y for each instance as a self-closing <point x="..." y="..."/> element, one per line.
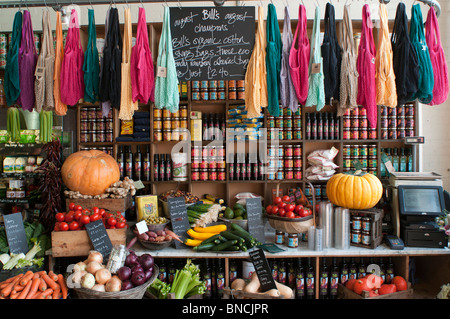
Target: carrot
<point x="56" y="293"/>
<point x="7" y="290"/>
<point x="62" y="283"/>
<point x="18" y="287"/>
<point x="26" y="278"/>
<point x="50" y="283"/>
<point x="34" y="287"/>
<point x="52" y="275"/>
<point x="10" y="279"/>
<point x="42" y="284"/>
<point x="14" y="295"/>
<point x="46" y="293"/>
<point x="25" y="291"/>
<point x="42" y="272"/>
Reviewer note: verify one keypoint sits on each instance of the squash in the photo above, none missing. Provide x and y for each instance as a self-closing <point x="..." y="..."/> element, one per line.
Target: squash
<point x="90" y="172"/>
<point x="253" y="285"/>
<point x="238" y="284"/>
<point x="354" y="190"/>
<point x="285" y="291"/>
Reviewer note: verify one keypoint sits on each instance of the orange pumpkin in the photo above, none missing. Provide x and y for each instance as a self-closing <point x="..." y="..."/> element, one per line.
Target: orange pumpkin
<point x="90" y="172"/>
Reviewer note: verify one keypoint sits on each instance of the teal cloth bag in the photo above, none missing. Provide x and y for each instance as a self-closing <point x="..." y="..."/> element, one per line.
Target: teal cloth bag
<point x="316" y="91"/>
<point x="426" y="76"/>
<point x="273" y="61"/>
<point x="91" y="66"/>
<point x="166" y="88"/>
<point x="12" y="82"/>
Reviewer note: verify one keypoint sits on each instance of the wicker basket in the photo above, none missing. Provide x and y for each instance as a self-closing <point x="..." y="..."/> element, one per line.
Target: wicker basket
<point x="133" y="293"/>
<point x="294" y="225"/>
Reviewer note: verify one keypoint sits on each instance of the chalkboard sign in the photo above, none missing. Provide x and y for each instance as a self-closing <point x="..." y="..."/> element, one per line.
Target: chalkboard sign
<point x="212" y="43"/>
<point x="254" y="217"/>
<point x="99" y="238"/>
<point x="179" y="219"/>
<point x="15" y="233"/>
<point x="262" y="269"/>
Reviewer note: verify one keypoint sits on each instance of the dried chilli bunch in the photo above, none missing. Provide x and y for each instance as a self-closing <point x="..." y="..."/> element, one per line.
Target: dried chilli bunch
<point x="51" y="183"/>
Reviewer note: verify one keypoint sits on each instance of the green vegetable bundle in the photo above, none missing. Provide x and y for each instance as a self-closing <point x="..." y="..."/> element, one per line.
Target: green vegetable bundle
<point x="46" y="126"/>
<point x="203" y="214"/>
<point x="13" y="124"/>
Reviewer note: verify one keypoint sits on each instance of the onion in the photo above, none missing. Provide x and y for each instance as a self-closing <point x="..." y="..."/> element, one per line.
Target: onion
<point x="93" y="267"/>
<point x="136" y="268"/>
<point x="102" y="276"/>
<point x="95" y="256"/>
<point x="131" y="259"/>
<point x="98" y="287"/>
<point x="127" y="285"/>
<point x="79" y="266"/>
<point x="146" y="261"/>
<point x="113" y="285"/>
<point x="148" y="273"/>
<point x="138" y="278"/>
<point x="88" y="281"/>
<point x="76" y="277"/>
<point x="124" y="273"/>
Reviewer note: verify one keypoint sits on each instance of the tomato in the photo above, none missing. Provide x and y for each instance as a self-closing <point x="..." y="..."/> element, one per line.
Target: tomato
<point x="286" y="198"/>
<point x="95" y="210"/>
<point x="281" y="212"/>
<point x="112" y="221"/>
<point x="78" y="214"/>
<point x="400" y="283"/>
<point x="305" y="212"/>
<point x="69" y="217"/>
<point x="121" y="225"/>
<point x="78" y="207"/>
<point x="102" y="212"/>
<point x="63" y="226"/>
<point x="277" y="200"/>
<point x="387" y="289"/>
<point x="60" y="217"/>
<point x="85" y="219"/>
<point x="290" y="207"/>
<point x="95" y="217"/>
<point x="302" y="212"/>
<point x="275" y="210"/>
<point x="361" y="285"/>
<point x="56" y="228"/>
<point x="71" y="206"/>
<point x="74" y="225"/>
<point x="282" y="205"/>
<point x="290" y="215"/>
<point x="269" y="209"/>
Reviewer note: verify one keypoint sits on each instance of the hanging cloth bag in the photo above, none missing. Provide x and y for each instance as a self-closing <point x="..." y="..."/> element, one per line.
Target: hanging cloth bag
<point x="60" y="107"/>
<point x="255" y="76"/>
<point x="110" y="81"/>
<point x="299" y="57"/>
<point x="426" y="77"/>
<point x="43" y="83"/>
<point x="365" y="65"/>
<point x="332" y="56"/>
<point x="127" y="106"/>
<point x="12" y="82"/>
<point x="72" y="83"/>
<point x="27" y="64"/>
<point x="384" y="69"/>
<point x="406" y="67"/>
<point x="288" y="96"/>
<point x="349" y="75"/>
<point x="273" y="60"/>
<point x="316" y="90"/>
<point x="437" y="57"/>
<point x="142" y="69"/>
<point x="166" y="85"/>
<point x="91" y="65"/>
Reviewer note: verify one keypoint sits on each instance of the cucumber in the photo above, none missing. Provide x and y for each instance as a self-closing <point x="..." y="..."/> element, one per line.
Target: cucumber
<point x="238" y="230"/>
<point x="225" y="245"/>
<point x="229" y="235"/>
<point x="204" y="247"/>
<point x="212" y="239"/>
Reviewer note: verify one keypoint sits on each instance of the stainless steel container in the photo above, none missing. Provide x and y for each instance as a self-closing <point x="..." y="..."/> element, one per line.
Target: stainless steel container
<point x="326" y="222"/>
<point x="341" y="228"/>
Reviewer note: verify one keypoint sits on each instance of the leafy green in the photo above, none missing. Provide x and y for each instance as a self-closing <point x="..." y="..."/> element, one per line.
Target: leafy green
<point x="34" y="231"/>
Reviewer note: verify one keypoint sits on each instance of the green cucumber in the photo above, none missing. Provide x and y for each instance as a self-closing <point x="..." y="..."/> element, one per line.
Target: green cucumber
<point x="229" y="235"/>
<point x="204" y="247"/>
<point x="212" y="239"/>
<point x="225" y="245"/>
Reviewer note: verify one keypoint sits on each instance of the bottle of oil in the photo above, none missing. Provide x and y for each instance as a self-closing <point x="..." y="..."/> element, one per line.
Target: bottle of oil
<point x="310" y="290"/>
<point x="353" y="269"/>
<point x="290" y="279"/>
<point x="389" y="270"/>
<point x="334" y="279"/>
<point x="207" y="277"/>
<point x="300" y="280"/>
<point x="361" y="268"/>
<point x="146" y="164"/>
<point x="323" y="280"/>
<point x="121" y="162"/>
<point x="137" y="162"/>
<point x="220" y="279"/>
<point x="403" y="161"/>
<point x="128" y="162"/>
<point x="344" y="273"/>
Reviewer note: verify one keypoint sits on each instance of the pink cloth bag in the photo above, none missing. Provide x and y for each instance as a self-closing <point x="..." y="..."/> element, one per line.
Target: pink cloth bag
<point x="437" y="56"/>
<point x="299" y="57"/>
<point x="72" y="76"/>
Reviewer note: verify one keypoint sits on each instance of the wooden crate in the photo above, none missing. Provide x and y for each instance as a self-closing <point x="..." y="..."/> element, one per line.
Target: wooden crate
<point x="111" y="204"/>
<point x="345" y="293"/>
<point x="376" y="219"/>
<point x="240" y="294"/>
<point x="77" y="243"/>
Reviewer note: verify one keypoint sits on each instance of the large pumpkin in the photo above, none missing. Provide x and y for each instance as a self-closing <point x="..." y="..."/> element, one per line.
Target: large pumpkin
<point x="354" y="190"/>
<point x="90" y="172"/>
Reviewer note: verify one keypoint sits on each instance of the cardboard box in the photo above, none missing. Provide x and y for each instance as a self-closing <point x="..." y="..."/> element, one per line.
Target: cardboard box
<point x="146" y="206"/>
<point x="196" y="126"/>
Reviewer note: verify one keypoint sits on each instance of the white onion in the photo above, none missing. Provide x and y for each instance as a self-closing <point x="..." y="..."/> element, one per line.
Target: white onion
<point x="98" y="287"/>
<point x="79" y="266"/>
<point x="113" y="285"/>
<point x="95" y="256"/>
<point x="93" y="267"/>
<point x="88" y="281"/>
<point x="102" y="276"/>
<point x="76" y="277"/>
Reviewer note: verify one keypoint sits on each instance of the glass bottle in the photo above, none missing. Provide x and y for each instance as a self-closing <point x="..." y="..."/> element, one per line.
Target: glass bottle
<point x="310" y="290"/>
<point x="121" y="162"/>
<point x="146" y="164"/>
<point x="300" y="280"/>
<point x="344" y="273"/>
<point x="323" y="277"/>
<point x="137" y="169"/>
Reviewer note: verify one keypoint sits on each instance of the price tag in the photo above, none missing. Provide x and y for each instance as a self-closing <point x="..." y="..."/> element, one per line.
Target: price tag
<point x="99" y="237"/>
<point x="15" y="233"/>
<point x="142" y="227"/>
<point x="139" y="184"/>
<point x="315" y="68"/>
<point x="254" y="217"/>
<point x="179" y="219"/>
<point x="262" y="269"/>
<point x="161" y="72"/>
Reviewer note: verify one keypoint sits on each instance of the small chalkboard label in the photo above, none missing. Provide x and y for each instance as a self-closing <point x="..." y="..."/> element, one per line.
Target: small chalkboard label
<point x="178" y="218"/>
<point x="15" y="233"/>
<point x="254" y="217"/>
<point x="99" y="237"/>
<point x="262" y="269"/>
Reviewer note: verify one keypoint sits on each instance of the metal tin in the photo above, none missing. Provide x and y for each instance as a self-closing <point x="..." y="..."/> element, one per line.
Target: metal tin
<point x="401" y="110"/>
<point x="84" y="136"/>
<point x="297" y="174"/>
<point x="363" y="150"/>
<point x="372" y="133"/>
<point x="280" y="175"/>
<point x="372" y="161"/>
<point x="392" y="122"/>
<point x="384" y="110"/>
<point x="354" y="134"/>
<point x="297" y="162"/>
<point x="355" y="151"/>
<point x="195" y="95"/>
<point x="203" y="84"/>
<point x="354" y="111"/>
<point x="392" y="111"/>
<point x="392" y="133"/>
<point x="401" y="121"/>
<point x="288" y="162"/>
<point x="346" y="122"/>
<point x="157" y="113"/>
<point x="401" y="133"/>
<point x="297" y="134"/>
<point x="204" y="94"/>
<point x="203" y="175"/>
<point x="409" y="122"/>
<point x="195" y="175"/>
<point x="240" y="94"/>
<point x="346" y="150"/>
<point x="346" y="134"/>
<point x="297" y="151"/>
<point x="409" y="132"/>
<point x="109" y="136"/>
<point x="288" y="122"/>
<point x="347" y="162"/>
<point x="362" y="134"/>
<point x="384" y="134"/>
<point x="289" y="173"/>
<point x="409" y="110"/>
<point x="108" y="124"/>
<point x="279" y="122"/>
<point x="221" y="175"/>
<point x="297" y="121"/>
<point x="270" y="122"/>
<point x="221" y="94"/>
<point x="363" y="122"/>
<point x="354" y="122"/>
<point x="372" y="150"/>
<point x="288" y="151"/>
<point x="195" y="84"/>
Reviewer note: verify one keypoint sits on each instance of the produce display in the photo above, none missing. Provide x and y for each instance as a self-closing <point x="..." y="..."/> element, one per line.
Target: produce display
<point x="119" y="189"/>
<point x="10" y="261"/>
<point x="189" y="198"/>
<point x="238" y="211"/>
<point x="219" y="238"/>
<point x="252" y="288"/>
<point x="186" y="283"/>
<point x="286" y="207"/>
<point x="77" y="217"/>
<point x="375" y="285"/>
<point x="34" y="285"/>
<point x="201" y="214"/>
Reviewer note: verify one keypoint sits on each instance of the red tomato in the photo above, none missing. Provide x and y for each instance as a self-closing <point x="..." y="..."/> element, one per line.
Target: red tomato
<point x="95" y="217"/>
<point x="78" y="214"/>
<point x="60" y="217"/>
<point x="302" y="212"/>
<point x="281" y="212"/>
<point x="269" y="209"/>
<point x="282" y="205"/>
<point x="275" y="210"/>
<point x="56" y="228"/>
<point x="298" y="208"/>
<point x="277" y="200"/>
<point x="286" y="198"/>
<point x="112" y="221"/>
<point x="400" y="283"/>
<point x="290" y="215"/>
<point x="71" y="206"/>
<point x="69" y="217"/>
<point x="95" y="209"/>
<point x="290" y="207"/>
<point x="63" y="226"/>
<point x="78" y="207"/>
<point x="102" y="212"/>
<point x="74" y="225"/>
<point x="121" y="225"/>
<point x="85" y="219"/>
<point x="387" y="289"/>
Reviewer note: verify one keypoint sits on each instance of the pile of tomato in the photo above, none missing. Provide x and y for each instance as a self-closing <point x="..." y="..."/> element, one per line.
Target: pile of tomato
<point x="77" y="217"/>
<point x="284" y="207"/>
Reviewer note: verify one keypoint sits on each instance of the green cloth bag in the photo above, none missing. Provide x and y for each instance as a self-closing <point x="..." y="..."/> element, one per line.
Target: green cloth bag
<point x="273" y="60"/>
<point x="91" y="65"/>
<point x="12" y="82"/>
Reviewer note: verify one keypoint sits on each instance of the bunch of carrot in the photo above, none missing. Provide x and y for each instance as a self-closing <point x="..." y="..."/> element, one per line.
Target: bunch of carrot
<point x="34" y="285"/>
